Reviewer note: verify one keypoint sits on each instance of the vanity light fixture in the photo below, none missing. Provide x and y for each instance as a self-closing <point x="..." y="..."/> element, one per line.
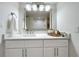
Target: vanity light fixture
<point x="28" y="7"/>
<point x="34" y="7"/>
<point x="47" y="8"/>
<point x="41" y="8"/>
<point x="37" y="7"/>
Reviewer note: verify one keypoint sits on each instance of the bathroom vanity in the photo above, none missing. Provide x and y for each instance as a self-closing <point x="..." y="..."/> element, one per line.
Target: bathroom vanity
<point x="36" y="45"/>
<point x="40" y="45"/>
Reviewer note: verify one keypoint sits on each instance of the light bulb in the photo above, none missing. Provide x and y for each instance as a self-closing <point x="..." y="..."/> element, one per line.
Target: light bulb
<point x="41" y="8"/>
<point x="34" y="7"/>
<point x="28" y="7"/>
<point x="47" y="8"/>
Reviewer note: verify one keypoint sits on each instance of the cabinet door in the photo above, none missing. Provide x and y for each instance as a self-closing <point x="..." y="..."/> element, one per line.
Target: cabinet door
<point x="49" y="52"/>
<point x="34" y="52"/>
<point x="13" y="52"/>
<point x="62" y="52"/>
<point x="14" y="44"/>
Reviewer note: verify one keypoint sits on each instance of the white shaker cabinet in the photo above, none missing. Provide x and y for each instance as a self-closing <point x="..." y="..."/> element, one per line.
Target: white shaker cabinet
<point x="14" y="44"/>
<point x="49" y="52"/>
<point x="24" y="48"/>
<point x="33" y="48"/>
<point x="25" y="52"/>
<point x="34" y="52"/>
<point x="56" y="52"/>
<point x="36" y="48"/>
<point x="56" y="48"/>
<point x="14" y="53"/>
<point x="62" y="52"/>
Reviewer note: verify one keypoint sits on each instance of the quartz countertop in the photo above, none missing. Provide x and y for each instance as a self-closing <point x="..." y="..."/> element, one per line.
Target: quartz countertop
<point x="32" y="36"/>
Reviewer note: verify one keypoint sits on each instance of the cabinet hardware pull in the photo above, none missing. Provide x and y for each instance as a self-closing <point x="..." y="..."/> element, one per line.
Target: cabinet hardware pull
<point x="22" y="52"/>
<point x="25" y="52"/>
<point x="57" y="51"/>
<point x="54" y="51"/>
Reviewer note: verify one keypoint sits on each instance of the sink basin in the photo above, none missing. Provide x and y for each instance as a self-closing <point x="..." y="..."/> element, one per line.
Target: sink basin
<point x="22" y="35"/>
<point x="28" y="35"/>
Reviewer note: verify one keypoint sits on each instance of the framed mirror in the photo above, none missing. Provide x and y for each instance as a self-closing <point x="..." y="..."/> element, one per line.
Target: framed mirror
<point x="37" y="19"/>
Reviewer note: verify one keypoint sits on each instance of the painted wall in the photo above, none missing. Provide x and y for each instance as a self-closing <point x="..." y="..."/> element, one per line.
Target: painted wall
<point x="54" y="16"/>
<point x="67" y="17"/>
<point x="5" y="9"/>
<point x="68" y="21"/>
<point x="21" y="17"/>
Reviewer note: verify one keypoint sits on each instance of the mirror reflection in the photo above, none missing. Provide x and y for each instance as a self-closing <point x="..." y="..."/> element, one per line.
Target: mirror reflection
<point x="37" y="17"/>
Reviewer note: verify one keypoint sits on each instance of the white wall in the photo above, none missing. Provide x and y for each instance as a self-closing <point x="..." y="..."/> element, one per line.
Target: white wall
<point x="68" y="21"/>
<point x="5" y="9"/>
<point x="21" y="16"/>
<point x="67" y="17"/>
<point x="54" y="13"/>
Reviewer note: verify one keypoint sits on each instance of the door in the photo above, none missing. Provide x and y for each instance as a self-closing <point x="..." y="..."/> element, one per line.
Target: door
<point x="14" y="52"/>
<point x="56" y="52"/>
<point x="62" y="52"/>
<point x="49" y="52"/>
<point x="34" y="52"/>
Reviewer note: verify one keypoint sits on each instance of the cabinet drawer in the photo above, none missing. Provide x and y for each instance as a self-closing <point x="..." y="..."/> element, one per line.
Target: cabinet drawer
<point x="34" y="43"/>
<point x="52" y="43"/>
<point x="35" y="52"/>
<point x="13" y="52"/>
<point x="14" y="44"/>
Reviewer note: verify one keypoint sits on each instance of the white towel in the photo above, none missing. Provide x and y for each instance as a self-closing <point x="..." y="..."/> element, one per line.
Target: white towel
<point x="11" y="24"/>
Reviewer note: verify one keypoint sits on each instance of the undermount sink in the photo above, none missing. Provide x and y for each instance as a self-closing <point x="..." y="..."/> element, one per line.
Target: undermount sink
<point x="21" y="35"/>
<point x="28" y="35"/>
